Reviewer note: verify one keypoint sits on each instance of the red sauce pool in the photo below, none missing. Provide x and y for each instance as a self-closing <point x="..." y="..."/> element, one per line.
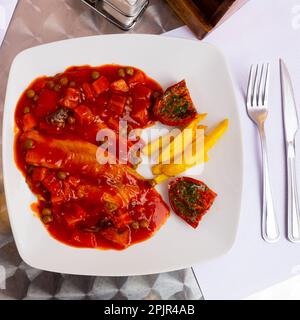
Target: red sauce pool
<point x="80" y="202"/>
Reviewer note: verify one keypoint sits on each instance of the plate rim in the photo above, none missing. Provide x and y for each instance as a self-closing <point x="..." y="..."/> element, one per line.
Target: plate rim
<point x="6" y="145"/>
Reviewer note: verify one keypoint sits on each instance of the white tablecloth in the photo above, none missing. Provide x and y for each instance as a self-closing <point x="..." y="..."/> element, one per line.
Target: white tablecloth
<point x="262" y="31"/>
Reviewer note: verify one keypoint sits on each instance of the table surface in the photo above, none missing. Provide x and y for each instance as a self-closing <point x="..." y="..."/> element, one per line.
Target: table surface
<point x="36" y="22"/>
<point x="252" y="264"/>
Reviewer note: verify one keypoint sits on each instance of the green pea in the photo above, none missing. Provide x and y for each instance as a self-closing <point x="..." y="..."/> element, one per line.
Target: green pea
<point x="57" y="87"/>
<point x="121" y="73"/>
<point x="47" y="219"/>
<point x="50" y="84"/>
<point x="144" y="224"/>
<point x="30" y="94"/>
<point x="80" y="194"/>
<point x="95" y="75"/>
<point x="135" y="225"/>
<point x="26" y="110"/>
<point x="28" y="144"/>
<point x="46" y="212"/>
<point x="64" y="81"/>
<point x="62" y="175"/>
<point x="130" y="71"/>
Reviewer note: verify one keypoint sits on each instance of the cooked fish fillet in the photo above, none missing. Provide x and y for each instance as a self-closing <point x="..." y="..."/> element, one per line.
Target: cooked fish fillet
<point x="80" y="156"/>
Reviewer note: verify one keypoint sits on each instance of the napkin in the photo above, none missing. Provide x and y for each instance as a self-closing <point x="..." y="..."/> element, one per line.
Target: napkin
<point x="261" y="31"/>
<point x="7" y="8"/>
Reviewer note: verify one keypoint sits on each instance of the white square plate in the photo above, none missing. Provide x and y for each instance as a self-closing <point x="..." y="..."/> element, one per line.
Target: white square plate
<point x="176" y="245"/>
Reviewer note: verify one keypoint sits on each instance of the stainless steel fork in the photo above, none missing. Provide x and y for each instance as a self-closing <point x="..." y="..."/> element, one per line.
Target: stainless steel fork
<point x="257" y="108"/>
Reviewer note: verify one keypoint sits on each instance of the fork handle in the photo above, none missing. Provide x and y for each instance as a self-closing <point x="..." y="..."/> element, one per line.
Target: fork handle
<point x="293" y="202"/>
<point x="270" y="230"/>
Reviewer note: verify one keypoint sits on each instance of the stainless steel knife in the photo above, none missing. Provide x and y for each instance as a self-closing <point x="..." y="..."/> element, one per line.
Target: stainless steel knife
<point x="291" y="125"/>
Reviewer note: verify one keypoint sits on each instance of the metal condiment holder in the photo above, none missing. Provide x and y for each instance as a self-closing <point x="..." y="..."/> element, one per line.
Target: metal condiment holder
<point x="124" y="17"/>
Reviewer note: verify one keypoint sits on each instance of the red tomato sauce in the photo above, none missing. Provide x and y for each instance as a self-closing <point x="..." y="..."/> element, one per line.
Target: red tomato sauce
<point x="81" y="202"/>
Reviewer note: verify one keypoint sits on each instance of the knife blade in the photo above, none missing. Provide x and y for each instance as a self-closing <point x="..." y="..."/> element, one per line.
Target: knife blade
<point x="291" y="125"/>
<point x="291" y="121"/>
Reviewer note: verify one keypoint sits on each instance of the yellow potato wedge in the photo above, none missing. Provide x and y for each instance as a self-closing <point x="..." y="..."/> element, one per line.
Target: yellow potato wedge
<point x="214" y="136"/>
<point x="161" y="178"/>
<point x="206" y="158"/>
<point x="201" y="126"/>
<point x="156" y="169"/>
<point x="157" y="144"/>
<point x="180" y="141"/>
<point x="164" y="141"/>
<point x="173" y="170"/>
<point x="209" y="141"/>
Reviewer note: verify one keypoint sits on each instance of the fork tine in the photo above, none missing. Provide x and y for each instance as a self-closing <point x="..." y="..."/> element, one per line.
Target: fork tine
<point x="266" y="86"/>
<point x="255" y="88"/>
<point x="250" y="87"/>
<point x="261" y="86"/>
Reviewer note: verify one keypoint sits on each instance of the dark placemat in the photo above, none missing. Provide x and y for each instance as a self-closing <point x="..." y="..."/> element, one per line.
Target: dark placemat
<point x="36" y="22"/>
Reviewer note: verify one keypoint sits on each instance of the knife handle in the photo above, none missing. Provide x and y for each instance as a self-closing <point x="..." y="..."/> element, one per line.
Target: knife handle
<point x="293" y="201"/>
